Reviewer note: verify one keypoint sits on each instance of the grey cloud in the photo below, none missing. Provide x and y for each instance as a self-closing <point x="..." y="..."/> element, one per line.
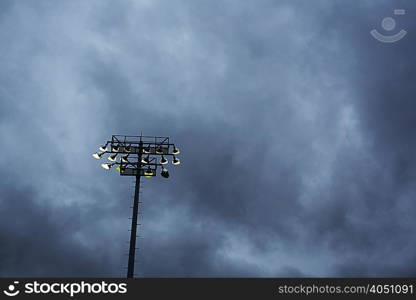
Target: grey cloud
<point x="295" y="129"/>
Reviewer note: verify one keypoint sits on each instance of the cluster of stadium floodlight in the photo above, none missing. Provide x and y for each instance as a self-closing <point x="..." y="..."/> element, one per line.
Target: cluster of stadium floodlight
<point x="138" y="156"/>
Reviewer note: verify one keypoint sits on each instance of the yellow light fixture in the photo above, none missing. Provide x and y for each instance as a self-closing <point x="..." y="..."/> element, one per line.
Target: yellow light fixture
<point x="127" y="149"/>
<point x="159" y="150"/>
<point x="148" y="173"/>
<point x="112" y="157"/>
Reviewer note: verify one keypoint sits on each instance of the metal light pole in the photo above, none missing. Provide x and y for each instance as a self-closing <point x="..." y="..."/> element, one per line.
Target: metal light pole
<point x="132" y="249"/>
<point x="140" y="156"/>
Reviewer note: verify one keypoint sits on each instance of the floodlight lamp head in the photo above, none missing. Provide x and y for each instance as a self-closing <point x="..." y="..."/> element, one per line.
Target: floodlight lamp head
<point x="148" y="173"/>
<point x="112" y="157"/>
<point x="163" y="160"/>
<point x="98" y="155"/>
<point x="164" y="173"/>
<point x="104" y="148"/>
<point x="175" y="151"/>
<point x="127" y="149"/>
<point x="146" y="149"/>
<point x="125" y="158"/>
<point x="106" y="166"/>
<point x="159" y="150"/>
<point x="146" y="160"/>
<point x="121" y="169"/>
<point x="176" y="161"/>
<point x="115" y="148"/>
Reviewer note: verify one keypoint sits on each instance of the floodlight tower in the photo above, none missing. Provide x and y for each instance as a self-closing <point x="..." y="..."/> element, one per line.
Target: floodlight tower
<point x="139" y="156"/>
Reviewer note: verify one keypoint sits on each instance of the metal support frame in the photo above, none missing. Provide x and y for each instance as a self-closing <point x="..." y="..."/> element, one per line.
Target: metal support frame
<point x="134" y="149"/>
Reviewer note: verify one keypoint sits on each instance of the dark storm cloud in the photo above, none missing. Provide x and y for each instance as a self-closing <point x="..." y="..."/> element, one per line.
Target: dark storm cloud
<point x="295" y="128"/>
<point x="37" y="237"/>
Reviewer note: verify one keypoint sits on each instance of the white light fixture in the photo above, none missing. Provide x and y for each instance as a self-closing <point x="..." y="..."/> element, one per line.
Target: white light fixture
<point x="107" y="166"/>
<point x="146" y="160"/>
<point x="176" y="161"/>
<point x="176" y="151"/>
<point x="146" y="150"/>
<point x="97" y="155"/>
<point x="163" y="160"/>
<point x="103" y="148"/>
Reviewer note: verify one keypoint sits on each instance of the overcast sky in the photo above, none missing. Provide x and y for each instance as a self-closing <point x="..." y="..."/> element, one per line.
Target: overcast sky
<point x="296" y="129"/>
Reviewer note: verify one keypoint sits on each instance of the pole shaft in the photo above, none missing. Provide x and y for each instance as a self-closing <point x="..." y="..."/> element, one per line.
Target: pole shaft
<point x="132" y="251"/>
